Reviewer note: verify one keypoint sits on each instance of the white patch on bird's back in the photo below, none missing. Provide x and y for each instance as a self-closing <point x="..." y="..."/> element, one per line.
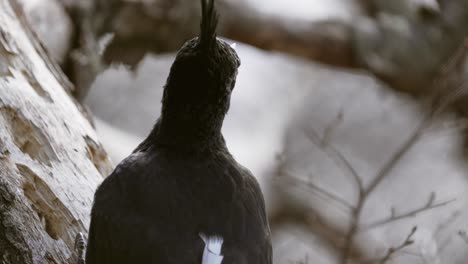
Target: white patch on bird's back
<point x="212" y="252"/>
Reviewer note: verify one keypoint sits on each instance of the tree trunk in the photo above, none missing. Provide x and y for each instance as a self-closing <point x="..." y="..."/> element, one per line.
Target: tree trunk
<point x="50" y="158"/>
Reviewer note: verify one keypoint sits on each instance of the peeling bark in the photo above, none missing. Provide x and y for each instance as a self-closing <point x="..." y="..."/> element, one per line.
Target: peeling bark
<point x="50" y="158"/>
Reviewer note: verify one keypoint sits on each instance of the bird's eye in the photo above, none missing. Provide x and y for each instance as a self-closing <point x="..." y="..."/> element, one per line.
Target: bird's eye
<point x="234" y="45"/>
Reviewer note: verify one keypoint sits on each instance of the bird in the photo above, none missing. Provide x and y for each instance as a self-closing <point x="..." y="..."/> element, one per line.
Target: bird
<point x="180" y="196"/>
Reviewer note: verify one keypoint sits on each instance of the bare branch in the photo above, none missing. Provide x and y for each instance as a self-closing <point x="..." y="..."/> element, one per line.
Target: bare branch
<point x="393" y="250"/>
<point x="88" y="58"/>
<point x="329" y="234"/>
<point x="314" y="187"/>
<point x="281" y="171"/>
<point x="384" y="172"/>
<point x="451" y="80"/>
<point x="437" y="108"/>
<point x="399" y="154"/>
<point x="397" y="217"/>
<point x="323" y="143"/>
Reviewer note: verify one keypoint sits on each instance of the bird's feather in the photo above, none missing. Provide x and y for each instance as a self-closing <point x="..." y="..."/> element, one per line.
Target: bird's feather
<point x="212" y="252"/>
<point x="209" y="23"/>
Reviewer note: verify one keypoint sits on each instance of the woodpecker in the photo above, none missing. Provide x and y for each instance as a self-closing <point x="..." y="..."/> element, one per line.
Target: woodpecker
<point x="180" y="197"/>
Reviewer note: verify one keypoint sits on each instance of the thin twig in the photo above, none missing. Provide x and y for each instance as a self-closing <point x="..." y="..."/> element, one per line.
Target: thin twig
<point x="338" y="158"/>
<point x="282" y="171"/>
<point x="399" y="154"/>
<point x="392" y="251"/>
<point x="412" y="213"/>
<point x="320" y="190"/>
<point x="323" y="143"/>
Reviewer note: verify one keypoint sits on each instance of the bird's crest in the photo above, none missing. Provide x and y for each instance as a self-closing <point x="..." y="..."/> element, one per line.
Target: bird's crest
<point x="208" y="25"/>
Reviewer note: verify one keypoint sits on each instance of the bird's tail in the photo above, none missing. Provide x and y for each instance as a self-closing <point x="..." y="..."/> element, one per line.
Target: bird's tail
<point x="212" y="252"/>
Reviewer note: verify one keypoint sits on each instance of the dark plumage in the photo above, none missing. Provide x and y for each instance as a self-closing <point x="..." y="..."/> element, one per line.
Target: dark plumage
<point x="181" y="180"/>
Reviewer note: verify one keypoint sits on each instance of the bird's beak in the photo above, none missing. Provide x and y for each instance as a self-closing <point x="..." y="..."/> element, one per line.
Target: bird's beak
<point x="234" y="45"/>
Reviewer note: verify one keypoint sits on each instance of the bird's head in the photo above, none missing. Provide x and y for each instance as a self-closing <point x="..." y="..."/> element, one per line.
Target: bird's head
<point x="202" y="76"/>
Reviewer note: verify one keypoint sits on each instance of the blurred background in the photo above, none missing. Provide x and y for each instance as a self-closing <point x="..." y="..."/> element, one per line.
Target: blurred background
<point x="351" y="113"/>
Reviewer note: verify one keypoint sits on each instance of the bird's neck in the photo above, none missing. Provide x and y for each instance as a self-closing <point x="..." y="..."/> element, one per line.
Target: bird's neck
<point x="197" y="129"/>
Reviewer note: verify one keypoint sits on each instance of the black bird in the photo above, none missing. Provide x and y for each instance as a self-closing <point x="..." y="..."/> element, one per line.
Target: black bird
<point x="181" y="194"/>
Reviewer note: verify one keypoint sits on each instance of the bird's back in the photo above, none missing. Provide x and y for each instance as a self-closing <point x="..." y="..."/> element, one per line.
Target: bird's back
<point x="157" y="202"/>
